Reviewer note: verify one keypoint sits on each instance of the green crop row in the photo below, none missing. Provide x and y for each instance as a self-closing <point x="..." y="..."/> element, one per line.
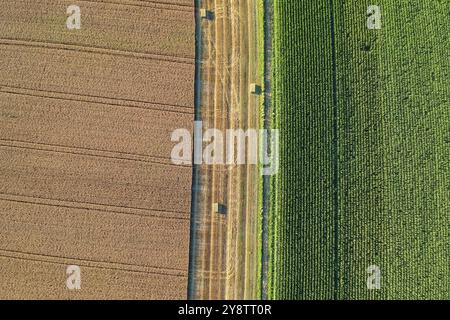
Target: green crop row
<point x="363" y="118"/>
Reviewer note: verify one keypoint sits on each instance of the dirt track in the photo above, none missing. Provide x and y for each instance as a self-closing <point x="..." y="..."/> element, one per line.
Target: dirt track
<point x="226" y="245"/>
<point x="85" y="124"/>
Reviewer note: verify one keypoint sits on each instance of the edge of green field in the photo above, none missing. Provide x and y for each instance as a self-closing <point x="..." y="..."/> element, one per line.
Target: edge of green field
<point x="260" y="28"/>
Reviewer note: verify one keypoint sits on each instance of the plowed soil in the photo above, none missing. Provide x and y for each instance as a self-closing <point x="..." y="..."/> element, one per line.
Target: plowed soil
<point x="85" y="123"/>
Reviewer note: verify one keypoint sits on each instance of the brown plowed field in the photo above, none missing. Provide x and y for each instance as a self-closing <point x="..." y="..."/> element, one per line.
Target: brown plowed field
<point x="30" y="276"/>
<point x="95" y="74"/>
<point x="144" y="127"/>
<point x="136" y="237"/>
<point x="226" y="252"/>
<point x="70" y="176"/>
<point x="86" y="118"/>
<point x="118" y="25"/>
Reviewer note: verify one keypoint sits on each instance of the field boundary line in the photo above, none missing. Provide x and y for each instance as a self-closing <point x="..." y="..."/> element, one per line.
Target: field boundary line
<point x="91" y="263"/>
<point x="93" y="206"/>
<point x="195" y="197"/>
<point x="66" y="204"/>
<point x="96" y="50"/>
<point x="94" y="99"/>
<point x="335" y="155"/>
<point x="266" y="180"/>
<point x="93" y="152"/>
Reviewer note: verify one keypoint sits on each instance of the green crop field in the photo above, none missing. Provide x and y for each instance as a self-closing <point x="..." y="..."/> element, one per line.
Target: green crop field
<point x="364" y="131"/>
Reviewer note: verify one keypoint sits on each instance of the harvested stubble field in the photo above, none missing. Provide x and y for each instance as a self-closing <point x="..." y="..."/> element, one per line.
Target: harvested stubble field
<point x="363" y="118"/>
<point x="225" y="250"/>
<point x="85" y="123"/>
